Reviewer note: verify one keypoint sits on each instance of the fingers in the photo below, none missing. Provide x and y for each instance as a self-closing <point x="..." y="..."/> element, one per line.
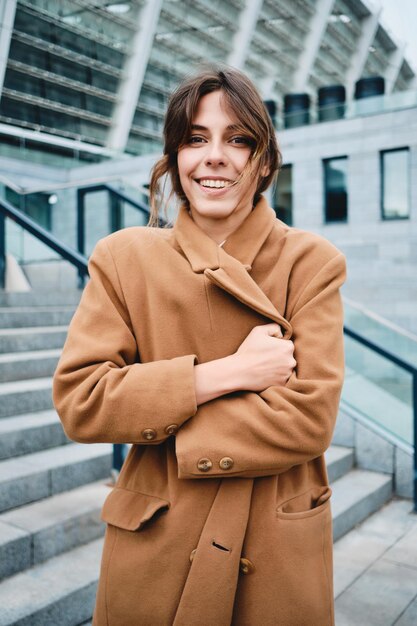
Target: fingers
<point x="273" y="330"/>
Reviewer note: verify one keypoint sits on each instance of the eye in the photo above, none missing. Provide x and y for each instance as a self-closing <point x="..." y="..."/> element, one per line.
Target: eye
<point x="241" y="140"/>
<point x="196" y="139"/>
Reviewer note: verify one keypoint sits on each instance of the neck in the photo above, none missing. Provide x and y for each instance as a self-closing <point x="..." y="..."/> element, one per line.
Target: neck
<point x="219" y="229"/>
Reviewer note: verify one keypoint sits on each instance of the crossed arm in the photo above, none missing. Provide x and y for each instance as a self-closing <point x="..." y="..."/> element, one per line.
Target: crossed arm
<point x="268" y="432"/>
<point x="102" y="393"/>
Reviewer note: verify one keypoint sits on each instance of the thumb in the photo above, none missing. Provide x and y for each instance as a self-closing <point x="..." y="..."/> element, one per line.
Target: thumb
<point x="273" y="330"/>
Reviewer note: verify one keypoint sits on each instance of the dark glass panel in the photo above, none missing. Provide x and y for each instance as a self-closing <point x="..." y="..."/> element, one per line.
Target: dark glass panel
<point x="69" y="69"/>
<point x="63" y="95"/>
<point x="103" y="81"/>
<point x="395" y="183"/>
<point x="109" y="56"/>
<point x="97" y="105"/>
<point x="19" y="110"/>
<point x="19" y="51"/>
<point x="56" y="119"/>
<point x="33" y="25"/>
<point x="95" y="131"/>
<point x="35" y="205"/>
<point x="78" y="44"/>
<point x="283" y="195"/>
<point x="37" y="27"/>
<point x="335" y="189"/>
<point x="23" y="82"/>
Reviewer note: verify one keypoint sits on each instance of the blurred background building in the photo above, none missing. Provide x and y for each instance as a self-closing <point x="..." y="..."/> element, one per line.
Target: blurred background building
<point x="86" y="82"/>
<point x="84" y="86"/>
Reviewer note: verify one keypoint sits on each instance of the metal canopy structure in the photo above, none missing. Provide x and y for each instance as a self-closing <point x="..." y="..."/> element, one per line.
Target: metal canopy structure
<point x="100" y="72"/>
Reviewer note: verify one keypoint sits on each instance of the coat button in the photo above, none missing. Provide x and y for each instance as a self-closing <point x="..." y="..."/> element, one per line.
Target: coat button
<point x="192" y="554"/>
<point x="149" y="433"/>
<point x="171" y="429"/>
<point x="226" y="463"/>
<point x="204" y="465"/>
<point x="246" y="566"/>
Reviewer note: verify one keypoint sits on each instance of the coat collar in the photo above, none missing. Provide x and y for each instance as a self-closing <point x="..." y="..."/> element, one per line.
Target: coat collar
<point x="229" y="267"/>
<point x="243" y="244"/>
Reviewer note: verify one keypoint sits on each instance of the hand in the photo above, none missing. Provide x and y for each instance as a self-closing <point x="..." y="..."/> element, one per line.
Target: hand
<point x="264" y="358"/>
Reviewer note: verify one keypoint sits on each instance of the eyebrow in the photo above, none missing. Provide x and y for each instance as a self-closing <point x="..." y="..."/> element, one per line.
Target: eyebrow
<point x="204" y="128"/>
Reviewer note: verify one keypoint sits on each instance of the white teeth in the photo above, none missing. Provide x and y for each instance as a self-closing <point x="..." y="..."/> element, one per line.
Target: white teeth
<point x="215" y="183"/>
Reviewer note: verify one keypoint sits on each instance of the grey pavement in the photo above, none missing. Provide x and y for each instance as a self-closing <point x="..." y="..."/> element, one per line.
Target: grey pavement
<point x="375" y="569"/>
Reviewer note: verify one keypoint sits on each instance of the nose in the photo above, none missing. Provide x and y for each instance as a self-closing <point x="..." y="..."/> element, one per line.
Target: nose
<point x="215" y="154"/>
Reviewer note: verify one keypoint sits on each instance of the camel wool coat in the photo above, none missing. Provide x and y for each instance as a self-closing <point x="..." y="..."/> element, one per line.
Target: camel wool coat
<point x="221" y="513"/>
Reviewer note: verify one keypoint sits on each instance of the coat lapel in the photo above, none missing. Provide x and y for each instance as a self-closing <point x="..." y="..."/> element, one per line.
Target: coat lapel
<point x="229" y="267"/>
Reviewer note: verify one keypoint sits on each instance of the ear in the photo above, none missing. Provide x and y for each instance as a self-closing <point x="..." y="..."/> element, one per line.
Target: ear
<point x="265" y="171"/>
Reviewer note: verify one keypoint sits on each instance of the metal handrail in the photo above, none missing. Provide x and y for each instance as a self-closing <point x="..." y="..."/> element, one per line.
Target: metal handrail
<point x="390" y="325"/>
<point x="68" y="184"/>
<point x="137" y="204"/>
<point x="76" y="257"/>
<point x="8" y="210"/>
<point x="408" y="367"/>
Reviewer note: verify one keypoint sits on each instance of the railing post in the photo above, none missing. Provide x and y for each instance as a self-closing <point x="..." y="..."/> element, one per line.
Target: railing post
<point x="119" y="450"/>
<point x="81" y="231"/>
<point x="116" y="211"/>
<point x="415" y="438"/>
<point x="2" y="250"/>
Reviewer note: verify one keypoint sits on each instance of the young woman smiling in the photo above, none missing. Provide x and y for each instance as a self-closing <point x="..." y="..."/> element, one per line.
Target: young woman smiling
<point x="216" y="349"/>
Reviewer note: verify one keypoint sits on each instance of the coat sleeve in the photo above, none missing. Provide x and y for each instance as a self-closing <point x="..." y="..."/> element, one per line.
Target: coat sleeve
<point x="266" y="433"/>
<point x="100" y="390"/>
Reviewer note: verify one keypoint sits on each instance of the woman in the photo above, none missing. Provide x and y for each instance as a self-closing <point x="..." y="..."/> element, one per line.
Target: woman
<point x="216" y="349"/>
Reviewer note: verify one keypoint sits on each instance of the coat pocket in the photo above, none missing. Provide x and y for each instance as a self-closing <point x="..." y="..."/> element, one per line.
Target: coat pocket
<point x="303" y="552"/>
<point x="131" y="510"/>
<point x="307" y="504"/>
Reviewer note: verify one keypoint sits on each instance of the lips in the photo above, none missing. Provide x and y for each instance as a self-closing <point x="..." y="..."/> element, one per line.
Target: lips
<point x="214" y="190"/>
<point x="214" y="183"/>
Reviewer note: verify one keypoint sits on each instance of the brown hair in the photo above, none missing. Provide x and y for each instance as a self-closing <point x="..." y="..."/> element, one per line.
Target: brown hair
<point x="244" y="100"/>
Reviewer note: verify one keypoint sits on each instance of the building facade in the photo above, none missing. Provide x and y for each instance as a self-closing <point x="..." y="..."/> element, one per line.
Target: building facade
<point x="83" y="92"/>
<point x="99" y="73"/>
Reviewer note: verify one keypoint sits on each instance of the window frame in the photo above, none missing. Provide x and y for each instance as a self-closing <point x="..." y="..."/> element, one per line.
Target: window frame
<point x="384" y="217"/>
<point x="326" y="160"/>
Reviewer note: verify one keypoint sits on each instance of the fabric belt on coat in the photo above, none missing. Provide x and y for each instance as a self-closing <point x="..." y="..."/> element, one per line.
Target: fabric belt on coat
<point x="209" y="592"/>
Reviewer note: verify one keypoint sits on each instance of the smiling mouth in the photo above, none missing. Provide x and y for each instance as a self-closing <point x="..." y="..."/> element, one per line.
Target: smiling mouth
<point x="214" y="184"/>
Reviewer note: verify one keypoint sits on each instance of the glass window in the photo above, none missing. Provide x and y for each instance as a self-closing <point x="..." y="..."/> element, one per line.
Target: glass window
<point x="18" y="81"/>
<point x="395" y="184"/>
<point x="16" y="110"/>
<point x="24" y="53"/>
<point x="283" y="195"/>
<point x="58" y="120"/>
<point x="335" y="189"/>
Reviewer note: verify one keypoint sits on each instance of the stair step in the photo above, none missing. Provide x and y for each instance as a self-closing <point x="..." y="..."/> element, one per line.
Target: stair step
<point x="24" y="396"/>
<point x="36" y="532"/>
<point x="339" y="461"/>
<point x="18" y="317"/>
<point x="59" y="591"/>
<point x="31" y="432"/>
<point x="50" y="522"/>
<point x="29" y="364"/>
<point x="40" y="298"/>
<point x="32" y="338"/>
<point x="355" y="496"/>
<point x="57" y="598"/>
<point x="42" y="474"/>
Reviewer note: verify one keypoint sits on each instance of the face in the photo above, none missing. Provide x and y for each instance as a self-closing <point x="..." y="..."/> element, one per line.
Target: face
<point x="211" y="161"/>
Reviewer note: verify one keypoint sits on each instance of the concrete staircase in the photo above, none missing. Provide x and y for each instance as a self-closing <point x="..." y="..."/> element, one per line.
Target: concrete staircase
<point x="52" y="490"/>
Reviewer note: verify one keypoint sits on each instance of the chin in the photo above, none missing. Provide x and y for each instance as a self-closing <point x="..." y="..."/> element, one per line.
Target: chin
<point x="214" y="212"/>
